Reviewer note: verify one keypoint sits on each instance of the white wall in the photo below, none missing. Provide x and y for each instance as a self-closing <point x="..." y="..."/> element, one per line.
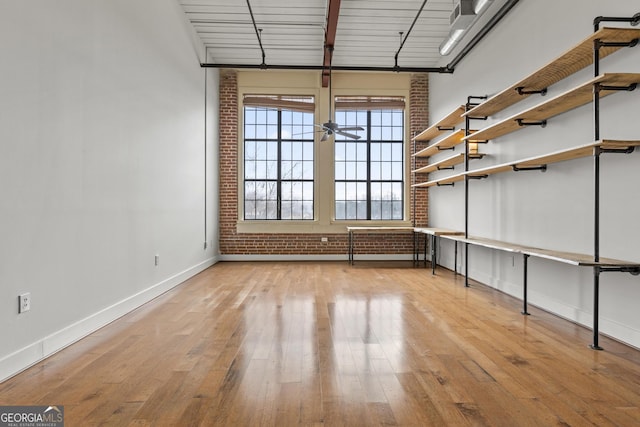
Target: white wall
<point x="554" y="209"/>
<point x="102" y="165"/>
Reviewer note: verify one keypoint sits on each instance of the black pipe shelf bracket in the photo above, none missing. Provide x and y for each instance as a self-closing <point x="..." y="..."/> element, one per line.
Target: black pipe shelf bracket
<point x="477" y="176"/>
<point x="627" y="150"/>
<point x="446" y="185"/>
<point x="601" y="43"/>
<point x="446" y="168"/>
<point x="634" y="20"/>
<point x="522" y="91"/>
<point x="524" y="122"/>
<point x="541" y="168"/>
<point x="629" y="88"/>
<point x="446" y="128"/>
<point x="634" y="271"/>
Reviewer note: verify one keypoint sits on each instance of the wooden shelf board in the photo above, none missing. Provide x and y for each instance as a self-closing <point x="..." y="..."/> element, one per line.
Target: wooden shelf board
<point x="568" y="63"/>
<point x="449" y="141"/>
<point x="566" y="101"/>
<point x="444" y="163"/>
<point x="546" y="159"/>
<point x="450" y="120"/>
<point x="555" y="157"/>
<point x="442" y="181"/>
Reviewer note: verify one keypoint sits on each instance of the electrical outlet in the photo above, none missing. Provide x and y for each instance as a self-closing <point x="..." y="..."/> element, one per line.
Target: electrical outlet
<point x="24" y="302"/>
<point x="324" y="239"/>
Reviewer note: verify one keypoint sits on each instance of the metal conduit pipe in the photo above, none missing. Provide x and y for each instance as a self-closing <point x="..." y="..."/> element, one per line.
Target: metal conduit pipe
<point x="408" y="32"/>
<point x="255" y="27"/>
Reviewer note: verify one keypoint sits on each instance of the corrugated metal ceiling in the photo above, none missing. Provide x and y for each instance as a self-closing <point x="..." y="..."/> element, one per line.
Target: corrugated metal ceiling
<point x="293" y="33"/>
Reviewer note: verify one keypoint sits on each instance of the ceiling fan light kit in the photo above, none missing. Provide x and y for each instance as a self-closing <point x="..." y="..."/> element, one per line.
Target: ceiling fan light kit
<point x="330" y="127"/>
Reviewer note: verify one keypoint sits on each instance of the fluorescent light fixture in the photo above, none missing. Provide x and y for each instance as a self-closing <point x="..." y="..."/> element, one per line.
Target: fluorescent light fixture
<point x="450" y="42"/>
<point x="465" y="14"/>
<point x="479" y="6"/>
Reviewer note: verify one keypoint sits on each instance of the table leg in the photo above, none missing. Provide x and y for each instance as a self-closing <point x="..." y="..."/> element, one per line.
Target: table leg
<point x="433" y="254"/>
<point x="524" y="308"/>
<point x="455" y="257"/>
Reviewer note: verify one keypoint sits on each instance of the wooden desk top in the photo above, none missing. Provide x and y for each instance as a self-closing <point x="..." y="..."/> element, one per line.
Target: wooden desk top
<point x="583" y="260"/>
<point x="379" y="229"/>
<point x="436" y="231"/>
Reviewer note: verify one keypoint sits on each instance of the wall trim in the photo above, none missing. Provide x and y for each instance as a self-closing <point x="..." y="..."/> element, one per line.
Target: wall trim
<point x="330" y="257"/>
<point x="608" y="327"/>
<point x="28" y="356"/>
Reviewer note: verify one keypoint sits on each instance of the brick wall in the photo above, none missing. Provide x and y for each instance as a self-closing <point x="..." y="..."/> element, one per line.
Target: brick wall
<point x="233" y="243"/>
<point x="419" y="121"/>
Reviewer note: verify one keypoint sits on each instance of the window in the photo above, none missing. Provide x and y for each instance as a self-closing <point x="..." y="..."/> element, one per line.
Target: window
<point x="369" y="172"/>
<point x="278" y="158"/>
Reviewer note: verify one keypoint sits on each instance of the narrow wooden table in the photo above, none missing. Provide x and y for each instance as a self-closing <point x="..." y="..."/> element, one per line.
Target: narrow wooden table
<point x="577" y="259"/>
<point x="434" y="233"/>
<point x="371" y="230"/>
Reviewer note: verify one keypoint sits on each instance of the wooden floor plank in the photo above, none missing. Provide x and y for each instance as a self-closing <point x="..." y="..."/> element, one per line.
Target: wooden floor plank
<point x="312" y="344"/>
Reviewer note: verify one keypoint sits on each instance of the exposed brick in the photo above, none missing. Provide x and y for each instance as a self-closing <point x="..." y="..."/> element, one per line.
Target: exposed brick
<point x="232" y="243"/>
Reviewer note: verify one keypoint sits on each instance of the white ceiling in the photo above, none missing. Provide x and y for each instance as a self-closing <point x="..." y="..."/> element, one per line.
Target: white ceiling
<point x="293" y="32"/>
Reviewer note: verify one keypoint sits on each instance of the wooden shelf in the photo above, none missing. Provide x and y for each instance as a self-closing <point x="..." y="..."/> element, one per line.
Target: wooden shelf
<point x="449" y="162"/>
<point x="445" y="163"/>
<point x="449" y="121"/>
<point x="445" y="143"/>
<point x="570" y="62"/>
<point x="564" y="102"/>
<point x="555" y="157"/>
<point x="441" y="181"/>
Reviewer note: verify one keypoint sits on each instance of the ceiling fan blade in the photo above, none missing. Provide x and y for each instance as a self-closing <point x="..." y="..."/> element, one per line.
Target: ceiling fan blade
<point x="351" y="128"/>
<point x="348" y="135"/>
<point x="307" y="133"/>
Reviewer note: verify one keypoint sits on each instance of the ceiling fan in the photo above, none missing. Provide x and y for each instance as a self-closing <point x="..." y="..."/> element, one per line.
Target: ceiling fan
<point x="331" y="127"/>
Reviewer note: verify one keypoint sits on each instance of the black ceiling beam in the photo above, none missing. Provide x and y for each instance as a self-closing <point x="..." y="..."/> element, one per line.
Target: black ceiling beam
<point x="333" y="12"/>
<point x="338" y="68"/>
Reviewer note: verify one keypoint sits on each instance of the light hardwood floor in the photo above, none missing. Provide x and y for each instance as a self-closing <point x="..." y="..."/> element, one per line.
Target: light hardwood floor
<point x="287" y="344"/>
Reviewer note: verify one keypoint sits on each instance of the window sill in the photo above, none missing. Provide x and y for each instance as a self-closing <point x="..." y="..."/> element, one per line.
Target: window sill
<point x="309" y="227"/>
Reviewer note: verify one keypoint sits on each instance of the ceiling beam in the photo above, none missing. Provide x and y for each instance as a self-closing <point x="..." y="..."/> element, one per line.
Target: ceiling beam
<point x="333" y="11"/>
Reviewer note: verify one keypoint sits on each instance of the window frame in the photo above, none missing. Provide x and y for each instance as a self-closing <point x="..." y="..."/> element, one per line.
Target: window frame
<point x="279" y="182"/>
<point x="309" y="84"/>
<point x="370" y="180"/>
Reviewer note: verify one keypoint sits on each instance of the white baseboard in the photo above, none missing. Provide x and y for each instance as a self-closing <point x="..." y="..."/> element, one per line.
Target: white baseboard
<point x="333" y="257"/>
<point x="581" y="316"/>
<point x="26" y="357"/>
